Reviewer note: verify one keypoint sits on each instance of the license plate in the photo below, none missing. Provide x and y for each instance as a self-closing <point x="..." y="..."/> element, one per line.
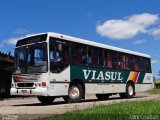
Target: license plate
<point x="24" y="91"/>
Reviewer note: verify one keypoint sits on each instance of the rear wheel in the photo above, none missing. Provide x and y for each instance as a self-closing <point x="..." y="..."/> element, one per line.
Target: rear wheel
<point x="129" y="91"/>
<point x="102" y="96"/>
<point x="46" y="99"/>
<point x="75" y="93"/>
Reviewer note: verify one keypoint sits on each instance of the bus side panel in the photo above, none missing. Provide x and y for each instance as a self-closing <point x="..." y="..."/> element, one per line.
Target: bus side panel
<point x="103" y="80"/>
<point x="59" y="83"/>
<point x="146" y="84"/>
<point x="143" y="87"/>
<point x="104" y="88"/>
<point x="99" y="75"/>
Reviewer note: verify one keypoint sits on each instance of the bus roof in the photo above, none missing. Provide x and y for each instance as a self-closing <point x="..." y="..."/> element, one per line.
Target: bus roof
<point x="87" y="42"/>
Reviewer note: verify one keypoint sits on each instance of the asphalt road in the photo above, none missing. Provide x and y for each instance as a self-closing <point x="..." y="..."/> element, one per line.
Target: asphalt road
<point x="30" y="108"/>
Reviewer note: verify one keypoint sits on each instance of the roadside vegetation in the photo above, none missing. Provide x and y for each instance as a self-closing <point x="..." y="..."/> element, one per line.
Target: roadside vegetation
<point x="154" y="91"/>
<point x="137" y="110"/>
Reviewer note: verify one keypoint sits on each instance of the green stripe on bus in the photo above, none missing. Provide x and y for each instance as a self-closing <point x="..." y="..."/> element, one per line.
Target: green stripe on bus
<point x="101" y="75"/>
<point x="141" y="77"/>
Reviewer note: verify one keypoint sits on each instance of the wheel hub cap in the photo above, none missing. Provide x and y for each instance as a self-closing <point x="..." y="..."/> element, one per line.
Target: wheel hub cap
<point x="74" y="92"/>
<point x="130" y="90"/>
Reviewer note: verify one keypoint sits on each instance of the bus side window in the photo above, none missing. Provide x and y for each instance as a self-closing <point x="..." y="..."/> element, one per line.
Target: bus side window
<point x="141" y="64"/>
<point x="135" y="63"/>
<point x="108" y="61"/>
<point x="52" y="56"/>
<point x="95" y="57"/>
<point x="149" y="66"/>
<point x="114" y="59"/>
<point x="123" y="61"/>
<point x="127" y="62"/>
<point x="78" y="54"/>
<point x="59" y="55"/>
<point x="92" y="56"/>
<point x="100" y="57"/>
<point x="145" y="65"/>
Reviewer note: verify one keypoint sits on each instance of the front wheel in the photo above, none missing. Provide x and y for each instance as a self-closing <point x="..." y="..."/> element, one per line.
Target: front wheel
<point x="75" y="93"/>
<point x="46" y="99"/>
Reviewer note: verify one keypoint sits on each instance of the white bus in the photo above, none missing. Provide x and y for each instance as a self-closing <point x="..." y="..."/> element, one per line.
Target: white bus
<point x="52" y="65"/>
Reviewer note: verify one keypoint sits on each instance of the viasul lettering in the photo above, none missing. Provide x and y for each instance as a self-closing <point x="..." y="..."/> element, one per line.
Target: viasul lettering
<point x="102" y="75"/>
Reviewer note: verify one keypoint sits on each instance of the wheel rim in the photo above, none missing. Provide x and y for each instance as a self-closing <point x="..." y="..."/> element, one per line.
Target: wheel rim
<point x="130" y="90"/>
<point x="74" y="92"/>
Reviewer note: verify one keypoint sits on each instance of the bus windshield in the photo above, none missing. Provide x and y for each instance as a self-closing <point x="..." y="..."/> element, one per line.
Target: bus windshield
<point x="31" y="58"/>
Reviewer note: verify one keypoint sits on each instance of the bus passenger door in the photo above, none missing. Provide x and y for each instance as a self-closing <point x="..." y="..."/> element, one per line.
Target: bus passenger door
<point x="59" y="67"/>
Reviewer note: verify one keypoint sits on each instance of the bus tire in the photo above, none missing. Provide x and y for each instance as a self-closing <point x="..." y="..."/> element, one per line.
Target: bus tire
<point x="102" y="96"/>
<point x="46" y="99"/>
<point x="75" y="93"/>
<point x="129" y="90"/>
<point x="2" y="92"/>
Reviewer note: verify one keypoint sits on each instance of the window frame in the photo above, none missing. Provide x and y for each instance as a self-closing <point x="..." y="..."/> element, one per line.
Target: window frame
<point x="53" y="41"/>
<point x="97" y="58"/>
<point x="77" y="53"/>
<point x="114" y="57"/>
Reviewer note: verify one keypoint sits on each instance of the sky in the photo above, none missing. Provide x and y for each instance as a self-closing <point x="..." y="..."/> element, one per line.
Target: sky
<point x="128" y="24"/>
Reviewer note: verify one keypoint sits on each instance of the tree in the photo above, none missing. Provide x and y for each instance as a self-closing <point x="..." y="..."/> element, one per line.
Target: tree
<point x="159" y="73"/>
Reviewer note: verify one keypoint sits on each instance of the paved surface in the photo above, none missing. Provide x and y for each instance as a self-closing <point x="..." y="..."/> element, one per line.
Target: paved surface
<point x="31" y="108"/>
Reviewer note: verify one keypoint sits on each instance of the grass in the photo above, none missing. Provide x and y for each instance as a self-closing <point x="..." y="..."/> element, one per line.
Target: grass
<point x="154" y="91"/>
<point x="125" y="110"/>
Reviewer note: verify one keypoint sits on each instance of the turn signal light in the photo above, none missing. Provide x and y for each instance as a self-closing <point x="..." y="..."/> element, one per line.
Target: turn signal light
<point x="43" y="84"/>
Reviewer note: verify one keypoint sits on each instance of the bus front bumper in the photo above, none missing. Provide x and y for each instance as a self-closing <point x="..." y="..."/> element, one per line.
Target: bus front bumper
<point x="29" y="92"/>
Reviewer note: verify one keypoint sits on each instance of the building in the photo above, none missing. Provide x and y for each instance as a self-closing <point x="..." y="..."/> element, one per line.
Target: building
<point x="6" y="68"/>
